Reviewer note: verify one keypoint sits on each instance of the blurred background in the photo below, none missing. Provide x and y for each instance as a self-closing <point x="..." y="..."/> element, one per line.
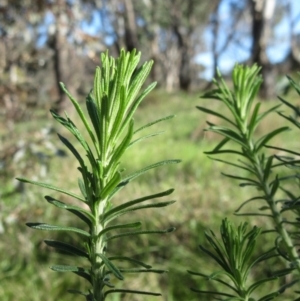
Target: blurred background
<point x="45" y="42"/>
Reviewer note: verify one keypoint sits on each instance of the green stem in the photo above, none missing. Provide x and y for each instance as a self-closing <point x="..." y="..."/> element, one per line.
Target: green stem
<point x="277" y="217"/>
<point x="98" y="247"/>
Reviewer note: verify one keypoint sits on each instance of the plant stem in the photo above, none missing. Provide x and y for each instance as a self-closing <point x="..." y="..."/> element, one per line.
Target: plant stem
<point x="97" y="247"/>
<point x="277" y="217"/>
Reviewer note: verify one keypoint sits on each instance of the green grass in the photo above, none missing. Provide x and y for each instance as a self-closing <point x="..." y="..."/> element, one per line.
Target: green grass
<point x="203" y="197"/>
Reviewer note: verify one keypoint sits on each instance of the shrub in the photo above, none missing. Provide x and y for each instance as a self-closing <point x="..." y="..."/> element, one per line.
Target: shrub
<point x="110" y="130"/>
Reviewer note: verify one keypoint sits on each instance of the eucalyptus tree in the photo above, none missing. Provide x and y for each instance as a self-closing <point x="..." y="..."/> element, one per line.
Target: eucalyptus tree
<point x="170" y="32"/>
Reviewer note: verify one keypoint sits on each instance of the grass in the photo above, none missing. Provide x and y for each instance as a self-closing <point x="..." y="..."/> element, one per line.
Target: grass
<point x="203" y="197"/>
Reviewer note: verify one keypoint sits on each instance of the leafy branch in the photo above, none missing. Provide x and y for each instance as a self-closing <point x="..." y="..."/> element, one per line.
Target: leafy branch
<point x="110" y="128"/>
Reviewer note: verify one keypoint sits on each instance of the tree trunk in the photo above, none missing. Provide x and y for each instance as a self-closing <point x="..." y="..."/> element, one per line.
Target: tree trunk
<point x="215" y="32"/>
<point x="262" y="13"/>
<point x="294" y="55"/>
<point x="185" y="59"/>
<point x="60" y="54"/>
<point x="131" y="40"/>
<point x="171" y="68"/>
<point x="155" y="53"/>
<point x="3" y="54"/>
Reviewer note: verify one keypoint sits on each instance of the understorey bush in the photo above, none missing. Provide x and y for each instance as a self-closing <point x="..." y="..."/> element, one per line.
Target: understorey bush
<point x="271" y="171"/>
<point x="108" y="132"/>
<point x="260" y="165"/>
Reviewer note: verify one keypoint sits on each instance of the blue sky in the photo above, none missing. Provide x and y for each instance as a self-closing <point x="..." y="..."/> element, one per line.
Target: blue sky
<point x="276" y="52"/>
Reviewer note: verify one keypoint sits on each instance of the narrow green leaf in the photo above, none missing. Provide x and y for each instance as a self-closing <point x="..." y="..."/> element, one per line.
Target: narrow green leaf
<point x="104" y="121"/>
<point x="140" y="233"/>
<point x="116" y="272"/>
<point x="66" y="248"/>
<point x="77" y="292"/>
<point x="211" y="112"/>
<point x="144" y="137"/>
<point x="72" y="149"/>
<point x="225" y="151"/>
<point x="133" y="62"/>
<point x="133" y="271"/>
<point x="152" y="205"/>
<point x="120" y="226"/>
<point x="137" y="201"/>
<point x="45" y="185"/>
<point x="85" y="215"/>
<point x="123" y="145"/>
<point x="212" y="94"/>
<point x="275" y="185"/>
<point x="154" y="122"/>
<point x="93" y="112"/>
<point x="144" y="170"/>
<point x="287" y="285"/>
<point x="291" y="119"/>
<point x="212" y="293"/>
<point x="269" y="296"/>
<point x="264" y="114"/>
<point x="82" y="187"/>
<point x="249" y="169"/>
<point x="115" y="126"/>
<point x="77" y="270"/>
<point x="267" y="169"/>
<point x="290" y="105"/>
<point x="134" y="107"/>
<point x="65" y="268"/>
<point x="119" y="82"/>
<point x="111" y="185"/>
<point x="248" y="201"/>
<point x="266" y="138"/>
<point x="69" y="124"/>
<point x="241" y="178"/>
<point x="147" y="266"/>
<point x="220" y="145"/>
<point x="79" y="111"/>
<point x="253" y="214"/>
<point x="42" y="226"/>
<point x="258" y="283"/>
<point x="253" y="121"/>
<point x="221" y="261"/>
<point x="198" y="274"/>
<point x="97" y="82"/>
<point x="214" y="277"/>
<point x="124" y="291"/>
<point x="137" y="81"/>
<point x="208" y="277"/>
<point x="265" y="256"/>
<point x="229" y="133"/>
<point x="283" y="149"/>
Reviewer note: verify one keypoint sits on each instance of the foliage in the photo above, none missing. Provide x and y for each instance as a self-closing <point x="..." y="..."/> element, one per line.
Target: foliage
<point x="253" y="278"/>
<point x="256" y="168"/>
<point x="110" y="107"/>
<point x="234" y="256"/>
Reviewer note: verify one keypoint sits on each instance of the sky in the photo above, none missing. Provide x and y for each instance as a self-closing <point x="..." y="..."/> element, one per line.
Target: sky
<point x="275" y="52"/>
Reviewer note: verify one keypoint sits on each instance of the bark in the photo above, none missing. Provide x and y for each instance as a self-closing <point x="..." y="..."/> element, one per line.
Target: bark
<point x="215" y="32"/>
<point x="294" y="55"/>
<point x="131" y="40"/>
<point x="262" y="13"/>
<point x="172" y="56"/>
<point x="155" y="53"/>
<point x="3" y="54"/>
<point x="60" y="55"/>
<point x="185" y="56"/>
